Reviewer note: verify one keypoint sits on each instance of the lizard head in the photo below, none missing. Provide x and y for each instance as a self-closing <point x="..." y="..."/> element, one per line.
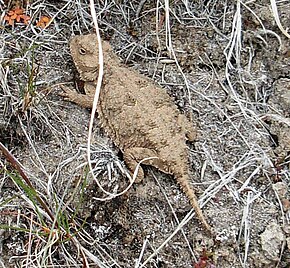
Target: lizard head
<point x="84" y="51"/>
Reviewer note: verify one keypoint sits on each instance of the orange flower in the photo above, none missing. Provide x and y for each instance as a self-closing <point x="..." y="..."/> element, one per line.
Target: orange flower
<point x="43" y="22"/>
<point x="17" y="15"/>
<point x="25" y="18"/>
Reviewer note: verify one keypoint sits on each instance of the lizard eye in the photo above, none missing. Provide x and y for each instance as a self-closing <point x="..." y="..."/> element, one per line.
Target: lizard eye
<point x="82" y="51"/>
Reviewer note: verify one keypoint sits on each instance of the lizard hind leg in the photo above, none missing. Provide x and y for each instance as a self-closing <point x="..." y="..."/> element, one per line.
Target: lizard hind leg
<point x="183" y="182"/>
<point x="188" y="127"/>
<point x="132" y="156"/>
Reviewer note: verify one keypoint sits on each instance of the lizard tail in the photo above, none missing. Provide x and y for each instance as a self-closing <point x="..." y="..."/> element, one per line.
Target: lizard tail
<point x="183" y="181"/>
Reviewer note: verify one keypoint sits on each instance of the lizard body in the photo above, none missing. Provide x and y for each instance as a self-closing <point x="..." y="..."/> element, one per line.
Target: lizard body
<point x="139" y="116"/>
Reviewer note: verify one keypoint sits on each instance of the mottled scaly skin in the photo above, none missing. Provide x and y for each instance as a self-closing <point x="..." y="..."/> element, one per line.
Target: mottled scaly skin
<point x="139" y="116"/>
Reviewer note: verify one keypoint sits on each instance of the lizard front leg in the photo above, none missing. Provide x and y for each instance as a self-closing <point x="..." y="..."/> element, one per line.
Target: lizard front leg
<point x="83" y="100"/>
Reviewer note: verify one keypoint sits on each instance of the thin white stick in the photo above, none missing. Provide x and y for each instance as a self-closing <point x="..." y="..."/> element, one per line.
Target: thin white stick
<point x="97" y="92"/>
<point x="276" y="16"/>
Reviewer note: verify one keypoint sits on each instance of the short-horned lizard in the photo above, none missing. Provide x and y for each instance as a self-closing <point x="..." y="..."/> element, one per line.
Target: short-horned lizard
<point x="139" y="116"/>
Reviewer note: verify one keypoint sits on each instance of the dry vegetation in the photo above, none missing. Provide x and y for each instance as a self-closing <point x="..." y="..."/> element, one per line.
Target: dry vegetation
<point x="224" y="62"/>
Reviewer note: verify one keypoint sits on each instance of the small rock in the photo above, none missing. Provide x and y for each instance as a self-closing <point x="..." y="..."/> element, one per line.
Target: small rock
<point x="286" y="204"/>
<point x="288" y="242"/>
<point x="281" y="189"/>
<point x="271" y="240"/>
